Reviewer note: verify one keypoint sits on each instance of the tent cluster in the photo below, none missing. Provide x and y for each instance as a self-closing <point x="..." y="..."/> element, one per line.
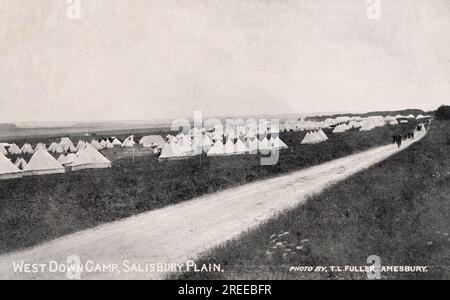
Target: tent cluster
<point x="185" y="146"/>
<point x="153" y="141"/>
<point x="128" y="142"/>
<point x="344" y="123"/>
<point x="218" y="141"/>
<point x="314" y="137"/>
<point x="341" y="128"/>
<point x="42" y="163"/>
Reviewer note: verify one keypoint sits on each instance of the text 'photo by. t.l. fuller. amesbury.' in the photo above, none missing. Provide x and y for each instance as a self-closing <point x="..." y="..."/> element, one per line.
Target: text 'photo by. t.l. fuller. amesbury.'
<point x="203" y="141"/>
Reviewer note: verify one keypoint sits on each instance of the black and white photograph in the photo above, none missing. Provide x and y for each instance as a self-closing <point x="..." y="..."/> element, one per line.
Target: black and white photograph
<point x="201" y="141"/>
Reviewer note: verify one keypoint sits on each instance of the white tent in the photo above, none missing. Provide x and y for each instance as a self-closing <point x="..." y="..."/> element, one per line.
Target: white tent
<point x="152" y="141"/>
<point x="185" y="144"/>
<point x="27" y="149"/>
<point x="311" y="138"/>
<point x="116" y="142"/>
<point x="52" y="147"/>
<point x="263" y="145"/>
<point x="197" y="144"/>
<point x="229" y="148"/>
<point x="42" y="163"/>
<point x="94" y="144"/>
<point x="62" y="159"/>
<point x="69" y="159"/>
<point x="252" y="145"/>
<point x="322" y="135"/>
<point x="66" y="144"/>
<point x="7" y="169"/>
<point x="40" y="146"/>
<point x="89" y="158"/>
<point x="73" y="149"/>
<point x="207" y="143"/>
<point x="14" y="149"/>
<point x="367" y="126"/>
<point x="20" y="163"/>
<point x="217" y="149"/>
<point x="80" y="145"/>
<point x="240" y="147"/>
<point x="172" y="151"/>
<point x="393" y="122"/>
<point x="109" y="145"/>
<point x="341" y="128"/>
<point x="128" y="142"/>
<point x="59" y="149"/>
<point x="277" y="143"/>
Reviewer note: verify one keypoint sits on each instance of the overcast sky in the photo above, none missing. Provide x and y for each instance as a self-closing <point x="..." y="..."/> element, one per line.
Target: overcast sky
<point x="145" y="59"/>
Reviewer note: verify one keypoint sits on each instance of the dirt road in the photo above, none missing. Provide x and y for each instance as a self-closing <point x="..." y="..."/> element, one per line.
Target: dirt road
<point x="132" y="248"/>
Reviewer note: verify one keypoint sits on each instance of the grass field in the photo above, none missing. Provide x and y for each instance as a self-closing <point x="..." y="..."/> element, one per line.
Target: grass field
<point x="38" y="209"/>
<point x="397" y="210"/>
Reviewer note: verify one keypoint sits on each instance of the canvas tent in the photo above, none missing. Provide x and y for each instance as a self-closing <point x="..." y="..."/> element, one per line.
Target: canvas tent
<point x="80" y="145"/>
<point x="62" y="159"/>
<point x="152" y="141"/>
<point x="14" y="149"/>
<point x="312" y="138"/>
<point x="89" y="158"/>
<point x="20" y="163"/>
<point x="322" y="135"/>
<point x="229" y="148"/>
<point x="128" y="142"/>
<point x="264" y="145"/>
<point x="185" y="144"/>
<point x="69" y="159"/>
<point x="240" y="147"/>
<point x="27" y="149"/>
<point x="40" y="146"/>
<point x="217" y="149"/>
<point x="207" y="143"/>
<point x="7" y="169"/>
<point x="42" y="163"/>
<point x="66" y="144"/>
<point x="172" y="151"/>
<point x="116" y="142"/>
<point x="277" y="143"/>
<point x="252" y="145"/>
<point x="52" y="147"/>
<point x="393" y="122"/>
<point x="59" y="149"/>
<point x="109" y="145"/>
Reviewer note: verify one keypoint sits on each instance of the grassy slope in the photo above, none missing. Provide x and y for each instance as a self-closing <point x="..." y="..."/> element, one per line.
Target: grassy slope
<point x="37" y="209"/>
<point x="397" y="210"/>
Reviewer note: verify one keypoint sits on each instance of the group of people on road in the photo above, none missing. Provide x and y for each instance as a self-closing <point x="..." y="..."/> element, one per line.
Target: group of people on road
<point x="397" y="139"/>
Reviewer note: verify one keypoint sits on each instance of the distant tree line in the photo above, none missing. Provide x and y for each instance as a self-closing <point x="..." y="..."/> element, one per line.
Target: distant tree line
<point x="443" y="113"/>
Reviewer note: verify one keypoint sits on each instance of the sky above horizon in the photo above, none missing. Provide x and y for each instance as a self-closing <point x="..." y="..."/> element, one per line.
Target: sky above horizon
<point x="162" y="59"/>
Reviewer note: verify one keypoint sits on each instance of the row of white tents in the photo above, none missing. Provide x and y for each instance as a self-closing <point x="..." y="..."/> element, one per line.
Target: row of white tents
<point x="183" y="146"/>
<point x="66" y="146"/>
<point x="229" y="141"/>
<point x="42" y="163"/>
<point x="314" y="137"/>
<point x="363" y="123"/>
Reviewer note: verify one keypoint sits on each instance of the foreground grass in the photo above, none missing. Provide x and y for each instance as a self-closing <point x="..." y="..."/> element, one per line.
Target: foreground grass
<point x="38" y="209"/>
<point x="397" y="210"/>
